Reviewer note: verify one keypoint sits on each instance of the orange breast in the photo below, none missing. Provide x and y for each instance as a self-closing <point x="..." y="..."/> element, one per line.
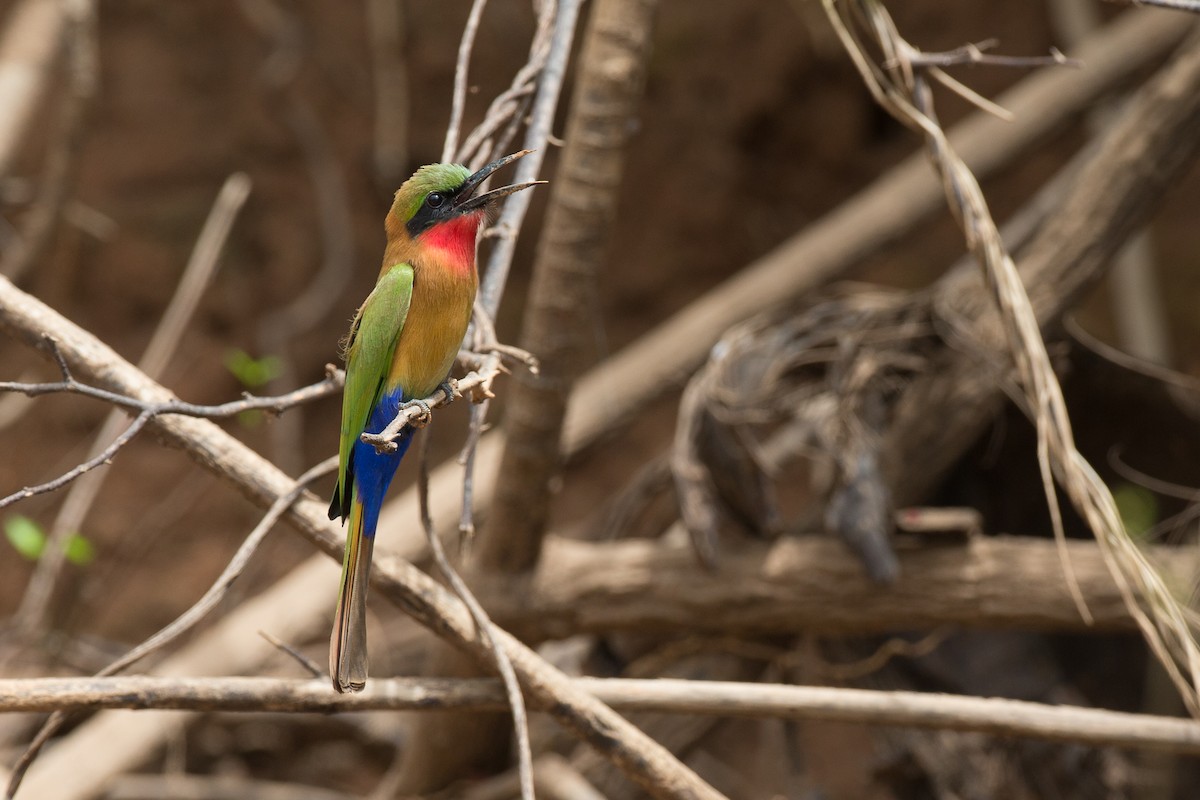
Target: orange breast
<point x="438" y="315"/>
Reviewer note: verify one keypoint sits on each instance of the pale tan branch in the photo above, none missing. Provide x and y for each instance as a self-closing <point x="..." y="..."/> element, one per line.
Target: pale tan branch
<point x="722" y="698"/>
<point x="37" y="605"/>
<point x="894" y="204"/>
<point x="813" y="585"/>
<point x="898" y="201"/>
<point x="1145" y="148"/>
<point x="646" y="762"/>
<point x="32" y="41"/>
<point x="570" y="253"/>
<point x="219" y="787"/>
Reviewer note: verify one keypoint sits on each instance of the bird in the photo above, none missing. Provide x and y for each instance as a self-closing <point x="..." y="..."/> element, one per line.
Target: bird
<point x="400" y="349"/>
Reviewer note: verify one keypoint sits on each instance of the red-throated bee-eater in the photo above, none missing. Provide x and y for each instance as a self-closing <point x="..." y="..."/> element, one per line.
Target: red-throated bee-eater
<point x="400" y="348"/>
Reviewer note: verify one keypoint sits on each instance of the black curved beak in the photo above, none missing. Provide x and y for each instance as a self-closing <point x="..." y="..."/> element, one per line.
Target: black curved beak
<point x="466" y="202"/>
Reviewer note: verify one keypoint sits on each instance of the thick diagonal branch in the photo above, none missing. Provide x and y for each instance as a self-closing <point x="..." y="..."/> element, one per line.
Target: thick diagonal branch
<point x="28" y="319"/>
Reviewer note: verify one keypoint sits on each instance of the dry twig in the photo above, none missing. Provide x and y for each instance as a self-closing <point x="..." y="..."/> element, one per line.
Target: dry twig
<point x="1192" y="6"/>
<point x="938" y="711"/>
<point x="904" y="91"/>
<point x="811" y="584"/>
<point x="570" y="251"/>
<point x="35" y="607"/>
<point x="148" y="410"/>
<point x="188" y="619"/>
<point x="647" y="763"/>
<point x="512" y="688"/>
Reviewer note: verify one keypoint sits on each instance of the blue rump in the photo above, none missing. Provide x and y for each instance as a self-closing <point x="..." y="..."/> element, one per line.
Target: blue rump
<point x="373" y="471"/>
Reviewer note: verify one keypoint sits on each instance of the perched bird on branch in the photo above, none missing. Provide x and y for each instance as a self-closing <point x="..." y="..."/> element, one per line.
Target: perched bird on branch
<point x="400" y="348"/>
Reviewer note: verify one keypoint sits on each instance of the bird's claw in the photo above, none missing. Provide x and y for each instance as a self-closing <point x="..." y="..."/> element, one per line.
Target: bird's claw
<point x="450" y="387"/>
<point x="423" y="416"/>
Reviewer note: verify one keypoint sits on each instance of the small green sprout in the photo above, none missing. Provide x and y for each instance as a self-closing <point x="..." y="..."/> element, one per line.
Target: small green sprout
<point x="29" y="540"/>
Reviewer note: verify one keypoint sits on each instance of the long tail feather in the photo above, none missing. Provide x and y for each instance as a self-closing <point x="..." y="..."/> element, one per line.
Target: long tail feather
<point x="348" y="644"/>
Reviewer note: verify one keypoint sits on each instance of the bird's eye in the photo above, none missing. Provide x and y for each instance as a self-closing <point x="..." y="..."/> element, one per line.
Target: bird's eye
<point x="435" y="199"/>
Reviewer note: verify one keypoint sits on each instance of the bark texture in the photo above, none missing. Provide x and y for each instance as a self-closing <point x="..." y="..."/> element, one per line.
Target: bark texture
<point x="562" y="296"/>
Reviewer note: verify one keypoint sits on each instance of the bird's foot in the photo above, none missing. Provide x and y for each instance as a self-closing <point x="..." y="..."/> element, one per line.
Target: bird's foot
<point x="450" y="387"/>
<point x="423" y="416"/>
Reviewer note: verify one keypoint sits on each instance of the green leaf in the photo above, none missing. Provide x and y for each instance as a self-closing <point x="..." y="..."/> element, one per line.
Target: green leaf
<point x="78" y="550"/>
<point x="253" y="372"/>
<point x="25" y="536"/>
<point x="1138" y="507"/>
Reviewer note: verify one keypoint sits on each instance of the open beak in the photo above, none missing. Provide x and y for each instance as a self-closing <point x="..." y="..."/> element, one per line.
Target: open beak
<point x="469" y="203"/>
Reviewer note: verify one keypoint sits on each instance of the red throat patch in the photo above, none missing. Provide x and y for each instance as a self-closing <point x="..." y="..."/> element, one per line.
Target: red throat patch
<point x="456" y="238"/>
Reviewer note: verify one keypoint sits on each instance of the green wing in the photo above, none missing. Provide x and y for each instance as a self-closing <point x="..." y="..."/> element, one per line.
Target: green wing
<point x="369" y="350"/>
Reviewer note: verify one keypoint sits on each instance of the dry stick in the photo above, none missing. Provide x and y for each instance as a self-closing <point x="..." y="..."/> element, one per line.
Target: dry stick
<point x="1142" y="330"/>
<point x="69" y="385"/>
<point x="511" y="687"/>
<point x="32" y="40"/>
<point x="1192" y="6"/>
<point x="482" y="144"/>
<point x="65" y="143"/>
<point x="1042" y="103"/>
<point x="219" y="787"/>
<point x="894" y="204"/>
<point x="188" y="619"/>
<point x="33" y="614"/>
<point x="641" y="758"/>
<point x="722" y="698"/>
<point x="1167" y="112"/>
<point x="582" y="204"/>
<point x="553" y="775"/>
<point x="427" y="763"/>
<point x="811" y="584"/>
<point x="541" y="119"/>
<point x="573" y="244"/>
<point x="458" y="99"/>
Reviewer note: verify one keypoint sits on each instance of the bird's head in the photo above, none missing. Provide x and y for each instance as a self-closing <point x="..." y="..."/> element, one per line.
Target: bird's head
<point x="438" y="194"/>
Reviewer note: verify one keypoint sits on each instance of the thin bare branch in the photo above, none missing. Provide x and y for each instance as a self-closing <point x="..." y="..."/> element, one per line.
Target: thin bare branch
<point x="512" y="688"/>
<point x="458" y="100"/>
<point x="1192" y="6"/>
<point x="974" y="54"/>
<point x="935" y="711"/>
<point x="646" y="763"/>
<point x="35" y="609"/>
<point x="507" y="108"/>
<point x="541" y="118"/>
<point x="905" y="93"/>
<point x="276" y="405"/>
<point x="186" y="621"/>
<point x="147" y="411"/>
<point x="105" y="456"/>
